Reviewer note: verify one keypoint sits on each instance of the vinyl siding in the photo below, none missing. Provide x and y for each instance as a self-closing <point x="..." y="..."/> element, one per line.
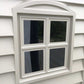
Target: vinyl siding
<point x="8" y="78"/>
<point x="79" y="40"/>
<point x="7" y="61"/>
<point x="79" y="27"/>
<point x="6" y="7"/>
<point x="7" y="64"/>
<point x="78" y="53"/>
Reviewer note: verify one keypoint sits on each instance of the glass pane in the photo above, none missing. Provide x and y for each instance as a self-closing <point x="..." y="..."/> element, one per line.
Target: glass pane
<point x="33" y="61"/>
<point x="57" y="57"/>
<point x="58" y="31"/>
<point x="33" y="31"/>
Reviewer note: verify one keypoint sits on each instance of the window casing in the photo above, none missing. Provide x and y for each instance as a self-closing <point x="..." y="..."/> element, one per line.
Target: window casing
<point x="47" y="46"/>
<point x="46" y="11"/>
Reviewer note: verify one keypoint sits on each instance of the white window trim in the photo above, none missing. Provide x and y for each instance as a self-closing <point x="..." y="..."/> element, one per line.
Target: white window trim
<point x="46" y="45"/>
<point x="67" y="19"/>
<point x="21" y="9"/>
<point x="22" y="18"/>
<point x="32" y="73"/>
<point x="31" y="47"/>
<point x="61" y="67"/>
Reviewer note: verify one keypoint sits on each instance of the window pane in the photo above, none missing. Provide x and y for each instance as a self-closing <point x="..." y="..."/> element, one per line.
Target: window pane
<point x="58" y="31"/>
<point x="33" y="61"/>
<point x="57" y="57"/>
<point x="33" y="31"/>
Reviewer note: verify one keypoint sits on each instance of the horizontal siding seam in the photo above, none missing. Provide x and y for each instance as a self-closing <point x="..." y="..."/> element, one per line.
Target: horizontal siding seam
<point x="3" y="36"/>
<point x="9" y="54"/>
<point x="79" y="19"/>
<point x="82" y="46"/>
<point x="77" y="3"/>
<point x="7" y="72"/>
<point x="79" y="33"/>
<point x="76" y="59"/>
<point x="4" y="15"/>
<point x="78" y="71"/>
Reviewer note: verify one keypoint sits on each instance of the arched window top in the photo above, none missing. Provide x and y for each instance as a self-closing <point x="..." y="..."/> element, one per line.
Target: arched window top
<point x="44" y="7"/>
<point x="43" y="37"/>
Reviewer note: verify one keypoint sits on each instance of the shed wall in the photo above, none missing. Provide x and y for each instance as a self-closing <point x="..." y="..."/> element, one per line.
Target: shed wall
<point x="7" y="70"/>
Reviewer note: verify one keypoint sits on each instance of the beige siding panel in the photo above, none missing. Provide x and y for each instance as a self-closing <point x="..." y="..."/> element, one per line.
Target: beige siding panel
<point x="6" y="64"/>
<point x="6" y="46"/>
<point x="6" y="28"/>
<point x="79" y="27"/>
<point x="68" y="79"/>
<point x="8" y="78"/>
<point x="78" y="53"/>
<point x="78" y="9"/>
<point x="6" y="7"/>
<point x="77" y="66"/>
<point x="78" y="40"/>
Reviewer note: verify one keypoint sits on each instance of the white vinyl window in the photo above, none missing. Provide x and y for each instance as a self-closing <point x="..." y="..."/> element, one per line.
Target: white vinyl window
<point x="45" y="42"/>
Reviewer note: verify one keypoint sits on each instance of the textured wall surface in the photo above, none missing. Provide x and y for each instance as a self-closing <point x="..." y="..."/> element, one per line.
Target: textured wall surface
<point x="7" y="66"/>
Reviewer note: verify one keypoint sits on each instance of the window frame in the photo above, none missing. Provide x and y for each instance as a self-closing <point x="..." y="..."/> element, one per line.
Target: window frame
<point x="31" y="47"/>
<point x="28" y="8"/>
<point x="67" y="19"/>
<point x="64" y="44"/>
<point x="22" y="18"/>
<point x="23" y="74"/>
<point x="46" y="45"/>
<point x="65" y="61"/>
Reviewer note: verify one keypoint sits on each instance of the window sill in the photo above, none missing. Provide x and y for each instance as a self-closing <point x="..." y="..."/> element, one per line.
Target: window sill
<point x="44" y="76"/>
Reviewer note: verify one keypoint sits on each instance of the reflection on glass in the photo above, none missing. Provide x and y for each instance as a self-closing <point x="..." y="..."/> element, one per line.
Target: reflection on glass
<point x="33" y="61"/>
<point x="33" y="31"/>
<point x="58" y="31"/>
<point x="57" y="57"/>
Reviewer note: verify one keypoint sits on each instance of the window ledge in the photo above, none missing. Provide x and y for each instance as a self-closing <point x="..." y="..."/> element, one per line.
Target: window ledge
<point x="44" y="76"/>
